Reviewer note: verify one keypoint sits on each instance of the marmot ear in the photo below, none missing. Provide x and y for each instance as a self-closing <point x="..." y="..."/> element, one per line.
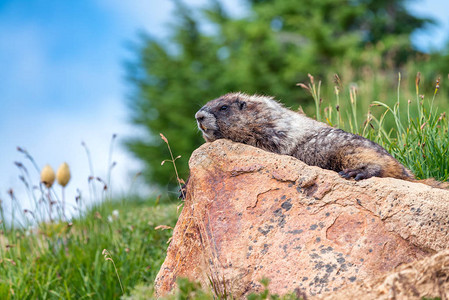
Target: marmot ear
<point x="241" y="104"/>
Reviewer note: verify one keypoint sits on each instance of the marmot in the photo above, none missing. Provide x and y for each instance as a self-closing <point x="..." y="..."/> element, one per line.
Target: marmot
<point x="263" y="122"/>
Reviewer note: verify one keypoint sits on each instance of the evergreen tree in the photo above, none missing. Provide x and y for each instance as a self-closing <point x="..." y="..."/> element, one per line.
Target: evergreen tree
<point x="267" y="52"/>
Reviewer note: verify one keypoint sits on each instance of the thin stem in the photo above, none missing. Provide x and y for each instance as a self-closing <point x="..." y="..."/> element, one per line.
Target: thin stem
<point x="174" y="164"/>
<point x="107" y="256"/>
<point x="63" y="203"/>
<point x="49" y="204"/>
<point x="110" y="164"/>
<point x="91" y="168"/>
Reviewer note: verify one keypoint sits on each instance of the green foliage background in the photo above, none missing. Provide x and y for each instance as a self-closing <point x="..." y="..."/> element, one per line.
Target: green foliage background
<point x="268" y="51"/>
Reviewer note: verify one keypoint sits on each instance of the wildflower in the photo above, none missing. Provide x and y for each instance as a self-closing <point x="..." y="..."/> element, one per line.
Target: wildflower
<point x="63" y="174"/>
<point x="114" y="216"/>
<point x="47" y="176"/>
<point x="29" y="231"/>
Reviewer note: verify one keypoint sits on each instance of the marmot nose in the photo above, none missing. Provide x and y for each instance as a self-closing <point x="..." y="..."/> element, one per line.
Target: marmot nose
<point x="200" y="116"/>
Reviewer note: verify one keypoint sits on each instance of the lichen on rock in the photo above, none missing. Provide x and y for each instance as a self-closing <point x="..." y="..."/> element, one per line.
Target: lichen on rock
<point x="251" y="214"/>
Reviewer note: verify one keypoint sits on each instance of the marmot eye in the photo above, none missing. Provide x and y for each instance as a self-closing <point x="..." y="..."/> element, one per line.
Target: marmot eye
<point x="224" y="107"/>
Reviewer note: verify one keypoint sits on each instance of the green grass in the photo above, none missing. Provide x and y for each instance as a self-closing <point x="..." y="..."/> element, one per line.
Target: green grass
<point x="60" y="260"/>
<point x="66" y="259"/>
<point x="187" y="289"/>
<point x="414" y="131"/>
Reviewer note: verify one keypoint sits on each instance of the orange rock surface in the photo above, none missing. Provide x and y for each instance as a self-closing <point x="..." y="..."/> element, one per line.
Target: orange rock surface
<point x="251" y="214"/>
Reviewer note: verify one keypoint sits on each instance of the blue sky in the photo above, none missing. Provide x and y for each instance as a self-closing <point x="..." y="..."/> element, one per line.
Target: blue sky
<point x="62" y="78"/>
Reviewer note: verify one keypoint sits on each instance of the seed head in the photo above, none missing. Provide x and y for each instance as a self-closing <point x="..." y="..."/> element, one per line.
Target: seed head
<point x="311" y="78"/>
<point x="437" y="86"/>
<point x="423" y="125"/>
<point x="337" y="81"/>
<point x="162" y="227"/>
<point x="337" y="90"/>
<point x="63" y="174"/>
<point x="163" y="138"/>
<point x="47" y="176"/>
<point x="303" y="86"/>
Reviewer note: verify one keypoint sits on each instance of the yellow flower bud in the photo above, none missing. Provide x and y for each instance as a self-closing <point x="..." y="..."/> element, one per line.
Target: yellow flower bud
<point x="63" y="174"/>
<point x="47" y="176"/>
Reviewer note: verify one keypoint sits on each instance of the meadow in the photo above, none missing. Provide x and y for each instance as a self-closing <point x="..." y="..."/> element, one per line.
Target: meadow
<point x="115" y="247"/>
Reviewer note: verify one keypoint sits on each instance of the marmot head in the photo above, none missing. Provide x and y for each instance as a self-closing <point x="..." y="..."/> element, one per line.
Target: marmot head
<point x="239" y="117"/>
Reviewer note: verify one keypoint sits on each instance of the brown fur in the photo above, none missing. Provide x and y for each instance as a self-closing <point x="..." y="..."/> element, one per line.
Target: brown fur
<point x="263" y="122"/>
<point x="386" y="166"/>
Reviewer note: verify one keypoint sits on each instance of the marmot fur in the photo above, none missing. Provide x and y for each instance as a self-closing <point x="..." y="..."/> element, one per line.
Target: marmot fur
<point x="262" y="122"/>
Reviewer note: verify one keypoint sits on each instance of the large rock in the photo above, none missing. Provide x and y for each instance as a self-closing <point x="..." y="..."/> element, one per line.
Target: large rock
<point x="427" y="278"/>
<point x="251" y="214"/>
